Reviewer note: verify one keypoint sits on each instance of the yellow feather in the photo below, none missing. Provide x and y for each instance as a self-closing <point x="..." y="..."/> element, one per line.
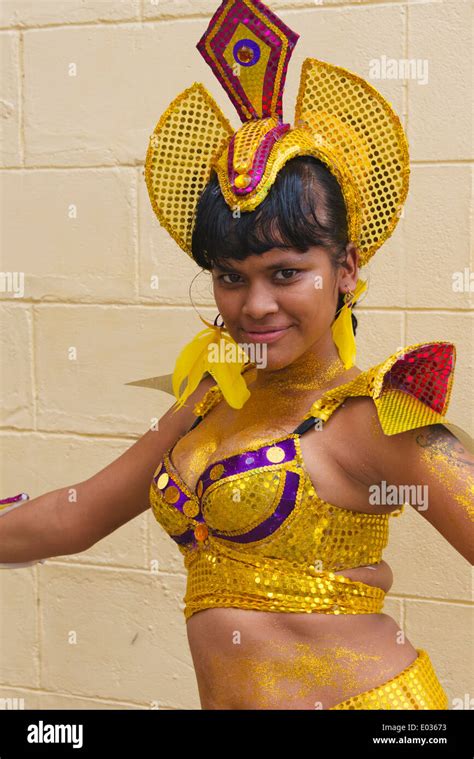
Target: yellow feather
<point x="193" y="362"/>
<point x="342" y="332"/>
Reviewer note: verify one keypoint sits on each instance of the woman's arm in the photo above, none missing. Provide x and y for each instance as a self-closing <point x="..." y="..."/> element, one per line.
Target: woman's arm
<point x="72" y="519"/>
<point x="435" y="462"/>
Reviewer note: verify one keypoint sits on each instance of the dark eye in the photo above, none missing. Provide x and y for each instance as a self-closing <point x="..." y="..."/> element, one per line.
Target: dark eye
<point x="234" y="274"/>
<point x="286" y="278"/>
<point x="229" y="274"/>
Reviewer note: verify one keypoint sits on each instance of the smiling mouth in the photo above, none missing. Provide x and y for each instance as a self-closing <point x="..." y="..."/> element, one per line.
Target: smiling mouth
<point x="264" y="331"/>
<point x="267" y="335"/>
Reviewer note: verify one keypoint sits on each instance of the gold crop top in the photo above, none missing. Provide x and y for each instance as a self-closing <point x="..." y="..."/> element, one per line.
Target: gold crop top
<point x="256" y="535"/>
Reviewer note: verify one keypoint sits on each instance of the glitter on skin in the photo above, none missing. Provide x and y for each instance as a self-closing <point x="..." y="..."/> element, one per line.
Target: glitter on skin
<point x="445" y="467"/>
<point x="271" y="411"/>
<point x="279" y="675"/>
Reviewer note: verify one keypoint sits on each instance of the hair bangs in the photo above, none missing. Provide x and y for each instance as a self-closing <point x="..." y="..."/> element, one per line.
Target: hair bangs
<point x="295" y="214"/>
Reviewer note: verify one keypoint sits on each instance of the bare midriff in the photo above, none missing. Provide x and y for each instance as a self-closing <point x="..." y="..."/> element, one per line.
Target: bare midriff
<point x="247" y="659"/>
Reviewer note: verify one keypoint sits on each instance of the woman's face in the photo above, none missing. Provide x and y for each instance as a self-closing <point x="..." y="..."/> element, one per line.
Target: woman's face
<point x="287" y="290"/>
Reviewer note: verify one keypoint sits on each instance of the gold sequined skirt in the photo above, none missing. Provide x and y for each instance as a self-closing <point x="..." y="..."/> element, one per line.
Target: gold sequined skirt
<point x="416" y="687"/>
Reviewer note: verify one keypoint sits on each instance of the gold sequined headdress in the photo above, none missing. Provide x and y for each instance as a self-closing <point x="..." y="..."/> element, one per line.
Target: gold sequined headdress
<point x="339" y="118"/>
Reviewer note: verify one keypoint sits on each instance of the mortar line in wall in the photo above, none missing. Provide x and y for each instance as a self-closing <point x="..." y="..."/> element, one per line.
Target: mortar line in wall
<point x="39" y="613"/>
<point x="406" y="102"/>
<point x="432" y="599"/>
<point x="34" y="386"/>
<point x="74" y="434"/>
<point x="405" y="106"/>
<point x="33" y="369"/>
<point x="111" y="568"/>
<point x="185" y="307"/>
<point x="148" y="537"/>
<point x="115" y="567"/>
<point x="74" y="167"/>
<point x="290" y="8"/>
<point x="441" y="162"/>
<point x="136" y="236"/>
<point x="66" y="694"/>
<point x="402" y="615"/>
<point x="39" y="640"/>
<point x="21" y="119"/>
<point x="471" y="218"/>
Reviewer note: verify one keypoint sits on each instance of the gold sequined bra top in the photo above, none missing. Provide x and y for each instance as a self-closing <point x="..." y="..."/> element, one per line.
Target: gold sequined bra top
<point x="256" y="535"/>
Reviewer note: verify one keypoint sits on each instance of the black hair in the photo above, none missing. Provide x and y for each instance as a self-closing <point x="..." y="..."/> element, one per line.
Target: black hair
<point x="287" y="217"/>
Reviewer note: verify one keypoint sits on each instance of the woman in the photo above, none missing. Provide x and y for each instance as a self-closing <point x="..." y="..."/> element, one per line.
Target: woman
<point x="250" y="659"/>
<point x="277" y="494"/>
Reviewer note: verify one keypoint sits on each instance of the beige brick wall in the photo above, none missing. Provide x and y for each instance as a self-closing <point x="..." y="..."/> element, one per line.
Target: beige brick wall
<point x="102" y="629"/>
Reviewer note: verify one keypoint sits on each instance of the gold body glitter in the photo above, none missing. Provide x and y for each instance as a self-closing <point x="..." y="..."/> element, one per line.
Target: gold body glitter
<point x="281" y="675"/>
<point x="288" y="675"/>
<point x="270" y="411"/>
<point x="451" y="465"/>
